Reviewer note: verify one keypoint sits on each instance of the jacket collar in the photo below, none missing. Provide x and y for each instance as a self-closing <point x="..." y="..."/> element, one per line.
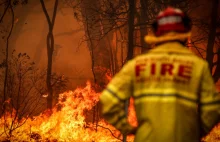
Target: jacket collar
<point x="171" y="47"/>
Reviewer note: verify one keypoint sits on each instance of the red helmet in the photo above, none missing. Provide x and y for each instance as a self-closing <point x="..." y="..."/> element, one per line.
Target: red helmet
<point x="171" y="20"/>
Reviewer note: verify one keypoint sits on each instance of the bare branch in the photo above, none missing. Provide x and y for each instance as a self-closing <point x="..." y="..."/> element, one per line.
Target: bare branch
<point x="110" y="132"/>
<point x="8" y="5"/>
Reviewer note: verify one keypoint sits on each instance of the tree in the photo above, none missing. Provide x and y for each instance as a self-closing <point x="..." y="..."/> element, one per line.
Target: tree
<point x="50" y="49"/>
<point x="98" y="32"/>
<point x="9" y="5"/>
<point x="143" y="28"/>
<point x="132" y="6"/>
<point x="24" y="99"/>
<point x="211" y="41"/>
<point x="206" y="41"/>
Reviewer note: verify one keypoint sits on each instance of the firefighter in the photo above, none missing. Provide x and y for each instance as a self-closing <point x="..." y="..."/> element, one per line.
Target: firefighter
<point x="174" y="94"/>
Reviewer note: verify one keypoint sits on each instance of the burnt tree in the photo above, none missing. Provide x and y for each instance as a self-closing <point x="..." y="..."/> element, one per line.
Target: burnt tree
<point x="50" y="49"/>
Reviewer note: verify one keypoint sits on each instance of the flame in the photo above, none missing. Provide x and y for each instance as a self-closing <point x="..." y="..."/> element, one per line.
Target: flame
<point x="65" y="122"/>
<point x="132" y="119"/>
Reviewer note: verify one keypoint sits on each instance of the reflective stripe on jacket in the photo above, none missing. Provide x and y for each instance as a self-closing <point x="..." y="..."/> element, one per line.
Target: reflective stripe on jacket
<point x="165" y="84"/>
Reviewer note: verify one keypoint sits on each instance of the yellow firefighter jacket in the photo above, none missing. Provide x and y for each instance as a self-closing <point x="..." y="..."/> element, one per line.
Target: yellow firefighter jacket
<point x="165" y="84"/>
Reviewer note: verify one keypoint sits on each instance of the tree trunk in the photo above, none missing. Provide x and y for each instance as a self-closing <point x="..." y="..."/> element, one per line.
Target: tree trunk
<point x="143" y="28"/>
<point x="212" y="34"/>
<point x="50" y="49"/>
<point x="6" y="54"/>
<point x="131" y="29"/>
<point x="130" y="44"/>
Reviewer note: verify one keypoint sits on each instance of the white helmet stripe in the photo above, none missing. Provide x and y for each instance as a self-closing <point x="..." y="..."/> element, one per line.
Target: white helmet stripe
<point x="169" y="20"/>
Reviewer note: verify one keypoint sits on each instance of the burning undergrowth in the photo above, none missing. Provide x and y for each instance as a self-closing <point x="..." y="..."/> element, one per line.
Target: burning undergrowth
<point x="65" y="122"/>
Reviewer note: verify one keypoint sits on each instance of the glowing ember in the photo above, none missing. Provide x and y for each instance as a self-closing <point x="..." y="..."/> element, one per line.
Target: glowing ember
<point x="65" y="122"/>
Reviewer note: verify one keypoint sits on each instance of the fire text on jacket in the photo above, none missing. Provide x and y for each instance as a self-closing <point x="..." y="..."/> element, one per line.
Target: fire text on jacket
<point x="177" y="71"/>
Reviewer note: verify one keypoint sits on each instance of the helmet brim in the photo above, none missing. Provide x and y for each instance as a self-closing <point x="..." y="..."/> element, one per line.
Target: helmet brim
<point x="167" y="37"/>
